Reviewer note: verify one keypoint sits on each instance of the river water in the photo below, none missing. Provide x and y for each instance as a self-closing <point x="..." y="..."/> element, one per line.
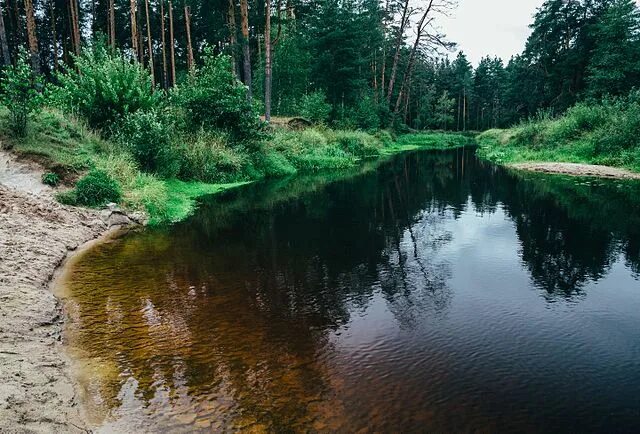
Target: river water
<point x="430" y="292"/>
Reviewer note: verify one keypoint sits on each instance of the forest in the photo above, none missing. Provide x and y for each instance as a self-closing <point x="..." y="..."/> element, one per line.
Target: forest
<point x="370" y="60"/>
<point x="175" y="91"/>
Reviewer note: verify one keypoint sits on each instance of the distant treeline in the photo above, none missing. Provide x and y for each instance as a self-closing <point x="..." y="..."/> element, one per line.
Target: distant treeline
<point x="375" y="62"/>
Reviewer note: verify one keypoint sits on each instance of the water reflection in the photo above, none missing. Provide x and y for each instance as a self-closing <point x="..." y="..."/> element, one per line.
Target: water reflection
<point x="393" y="298"/>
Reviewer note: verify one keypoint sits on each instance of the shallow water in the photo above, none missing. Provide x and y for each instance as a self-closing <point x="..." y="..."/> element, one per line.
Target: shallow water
<point x="434" y="293"/>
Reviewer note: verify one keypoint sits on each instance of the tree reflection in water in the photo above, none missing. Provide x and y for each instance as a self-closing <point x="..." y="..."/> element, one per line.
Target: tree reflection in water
<point x="229" y="320"/>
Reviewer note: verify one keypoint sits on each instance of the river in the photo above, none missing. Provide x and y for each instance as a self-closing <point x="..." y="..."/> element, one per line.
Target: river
<point x="429" y="292"/>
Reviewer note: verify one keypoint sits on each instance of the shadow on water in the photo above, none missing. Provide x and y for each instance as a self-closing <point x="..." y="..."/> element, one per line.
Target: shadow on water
<point x="391" y="298"/>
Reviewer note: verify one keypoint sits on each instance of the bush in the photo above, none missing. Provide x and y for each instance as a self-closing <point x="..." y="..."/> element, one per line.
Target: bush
<point x="314" y="107"/>
<point x="212" y="97"/>
<point x="207" y="157"/>
<point x="357" y="143"/>
<point x="148" y="136"/>
<point x="20" y="92"/>
<point x="311" y="150"/>
<point x="104" y="87"/>
<point x="275" y="164"/>
<point x="97" y="188"/>
<point x="366" y="115"/>
<point x="50" y="179"/>
<point x="386" y="137"/>
<point x="578" y="120"/>
<point x="67" y="197"/>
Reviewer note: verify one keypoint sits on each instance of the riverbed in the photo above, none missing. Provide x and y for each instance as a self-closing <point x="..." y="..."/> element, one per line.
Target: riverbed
<point x="429" y="292"/>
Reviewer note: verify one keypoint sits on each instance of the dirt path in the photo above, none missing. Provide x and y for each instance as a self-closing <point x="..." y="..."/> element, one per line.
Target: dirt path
<point x="578" y="170"/>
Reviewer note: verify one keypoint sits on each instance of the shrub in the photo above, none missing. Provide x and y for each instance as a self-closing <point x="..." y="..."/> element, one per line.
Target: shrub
<point x="578" y="120"/>
<point x="208" y="158"/>
<point x="385" y="137"/>
<point x="365" y="115"/>
<point x="148" y="136"/>
<point x="275" y="164"/>
<point x="104" y="87"/>
<point x="97" y="188"/>
<point x="212" y="97"/>
<point x="67" y="197"/>
<point x="314" y="107"/>
<point x="50" y="179"/>
<point x="311" y="150"/>
<point x="357" y="143"/>
<point x="20" y="92"/>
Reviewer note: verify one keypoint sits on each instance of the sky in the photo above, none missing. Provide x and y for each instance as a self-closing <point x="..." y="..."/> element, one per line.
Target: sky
<point x="490" y="27"/>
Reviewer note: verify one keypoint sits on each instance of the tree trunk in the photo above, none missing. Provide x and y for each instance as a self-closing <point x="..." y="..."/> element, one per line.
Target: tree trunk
<point x="246" y="53"/>
<point x="267" y="62"/>
<point x="112" y="24"/>
<point x="396" y="56"/>
<point x="187" y="19"/>
<point x="54" y="35"/>
<point x="233" y="36"/>
<point x="172" y="50"/>
<point x="149" y="44"/>
<point x="134" y="29"/>
<point x="6" y="55"/>
<point x="140" y="40"/>
<point x="464" y="109"/>
<point x="412" y="57"/>
<point x="31" y="36"/>
<point x="165" y="79"/>
<point x="75" y="27"/>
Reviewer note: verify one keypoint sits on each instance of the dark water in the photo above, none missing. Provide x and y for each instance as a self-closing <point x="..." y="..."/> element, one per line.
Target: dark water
<point x="436" y="293"/>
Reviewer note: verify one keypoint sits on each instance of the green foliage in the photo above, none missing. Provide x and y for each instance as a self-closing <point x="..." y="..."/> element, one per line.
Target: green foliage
<point x="444" y="110"/>
<point x="67" y="197"/>
<point x="104" y="88"/>
<point x="50" y="179"/>
<point x="603" y="133"/>
<point x="213" y="98"/>
<point x="615" y="63"/>
<point x="314" y="107"/>
<point x="310" y="150"/>
<point x="366" y="115"/>
<point x="356" y="143"/>
<point x="148" y="136"/>
<point x="97" y="188"/>
<point x="20" y="92"/>
<point x="207" y="157"/>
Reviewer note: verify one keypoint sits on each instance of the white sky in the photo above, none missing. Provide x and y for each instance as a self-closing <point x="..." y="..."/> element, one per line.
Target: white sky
<point x="490" y="27"/>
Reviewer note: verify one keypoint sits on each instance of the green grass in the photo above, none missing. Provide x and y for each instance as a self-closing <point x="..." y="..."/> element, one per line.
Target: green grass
<point x="67" y="148"/>
<point x="429" y="141"/>
<point x="605" y="133"/>
<point x="181" y="198"/>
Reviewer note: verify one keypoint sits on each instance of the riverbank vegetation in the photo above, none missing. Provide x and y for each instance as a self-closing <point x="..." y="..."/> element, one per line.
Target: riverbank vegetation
<point x="573" y="88"/>
<point x="117" y="139"/>
<point x="154" y="109"/>
<point x="605" y="133"/>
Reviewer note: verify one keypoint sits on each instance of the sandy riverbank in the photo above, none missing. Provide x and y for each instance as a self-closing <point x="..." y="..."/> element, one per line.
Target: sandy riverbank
<point x="37" y="393"/>
<point x="574" y="169"/>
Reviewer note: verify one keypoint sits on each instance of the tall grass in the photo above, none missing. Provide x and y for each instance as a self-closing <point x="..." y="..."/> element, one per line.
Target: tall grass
<point x="596" y="133"/>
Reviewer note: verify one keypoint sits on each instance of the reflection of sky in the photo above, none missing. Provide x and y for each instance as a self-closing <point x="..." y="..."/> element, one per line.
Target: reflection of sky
<point x="497" y="335"/>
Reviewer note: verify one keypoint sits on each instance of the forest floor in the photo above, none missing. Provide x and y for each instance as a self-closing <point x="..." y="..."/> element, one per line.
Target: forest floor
<point x="37" y="392"/>
<point x="576" y="169"/>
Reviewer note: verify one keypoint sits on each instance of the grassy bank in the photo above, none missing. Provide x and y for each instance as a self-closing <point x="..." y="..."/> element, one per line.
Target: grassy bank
<point x="68" y="149"/>
<point x="605" y="133"/>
